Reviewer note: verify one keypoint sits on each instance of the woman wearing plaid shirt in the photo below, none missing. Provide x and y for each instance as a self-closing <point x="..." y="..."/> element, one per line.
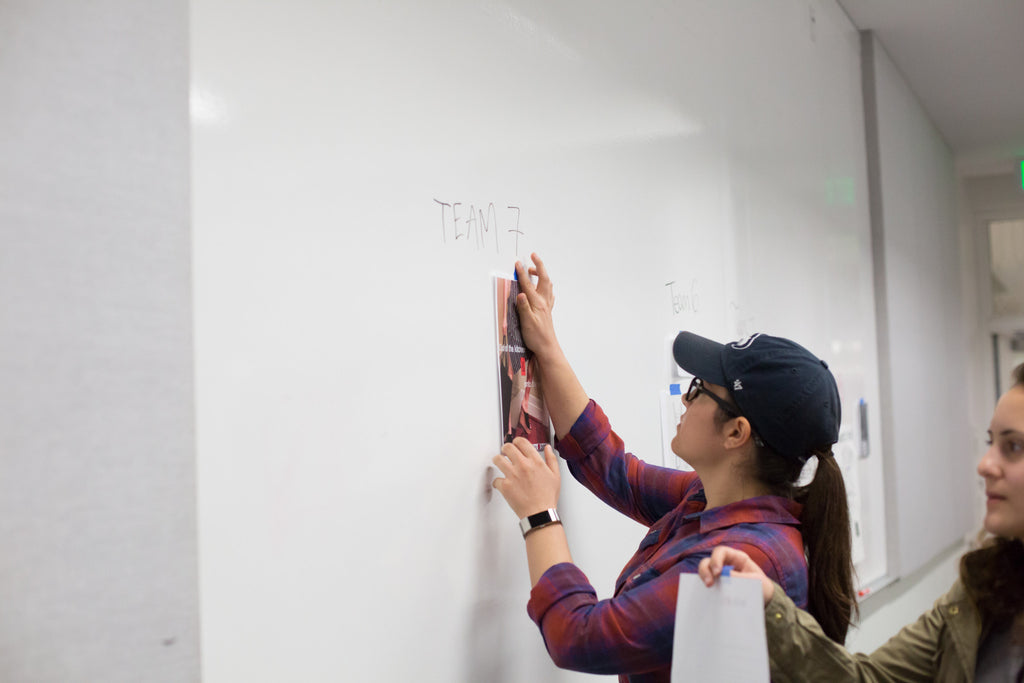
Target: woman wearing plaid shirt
<point x="756" y="411"/>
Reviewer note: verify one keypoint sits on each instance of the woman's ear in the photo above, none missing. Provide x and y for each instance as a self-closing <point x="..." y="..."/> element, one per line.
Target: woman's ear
<point x="738" y="432"/>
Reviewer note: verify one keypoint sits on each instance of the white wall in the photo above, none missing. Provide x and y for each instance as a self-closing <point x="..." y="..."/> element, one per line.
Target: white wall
<point x="98" y="577"/>
<point x="923" y="330"/>
<point x="997" y="196"/>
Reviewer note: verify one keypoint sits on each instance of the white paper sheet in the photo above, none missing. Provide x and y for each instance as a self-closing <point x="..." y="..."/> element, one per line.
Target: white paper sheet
<point x="719" y="633"/>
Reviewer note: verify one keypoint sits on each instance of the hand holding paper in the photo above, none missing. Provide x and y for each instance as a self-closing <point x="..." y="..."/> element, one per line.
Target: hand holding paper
<point x="719" y="632"/>
<point x="740" y="564"/>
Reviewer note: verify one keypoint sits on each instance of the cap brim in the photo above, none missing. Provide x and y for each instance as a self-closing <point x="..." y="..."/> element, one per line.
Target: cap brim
<point x="699" y="356"/>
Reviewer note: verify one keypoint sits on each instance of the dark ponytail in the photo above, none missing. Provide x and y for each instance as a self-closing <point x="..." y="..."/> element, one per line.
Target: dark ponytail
<point x="825" y="525"/>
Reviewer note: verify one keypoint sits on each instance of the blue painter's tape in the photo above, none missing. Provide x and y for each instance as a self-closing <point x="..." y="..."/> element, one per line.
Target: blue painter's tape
<point x="675" y="389"/>
<point x="727" y="570"/>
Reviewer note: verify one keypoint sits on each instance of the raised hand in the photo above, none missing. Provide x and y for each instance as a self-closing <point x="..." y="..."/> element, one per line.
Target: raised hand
<point x="534" y="304"/>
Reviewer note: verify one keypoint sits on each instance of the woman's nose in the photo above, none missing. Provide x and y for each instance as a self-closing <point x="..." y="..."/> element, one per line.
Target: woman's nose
<point x="987" y="466"/>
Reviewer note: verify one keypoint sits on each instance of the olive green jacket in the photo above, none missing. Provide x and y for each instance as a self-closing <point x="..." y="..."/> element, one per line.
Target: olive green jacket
<point x="940" y="646"/>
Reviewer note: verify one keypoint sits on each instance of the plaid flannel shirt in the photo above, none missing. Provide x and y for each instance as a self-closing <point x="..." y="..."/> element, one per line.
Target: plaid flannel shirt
<point x="631" y="633"/>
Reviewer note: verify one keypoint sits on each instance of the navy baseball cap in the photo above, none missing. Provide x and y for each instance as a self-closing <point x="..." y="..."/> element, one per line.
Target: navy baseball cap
<point x="788" y="394"/>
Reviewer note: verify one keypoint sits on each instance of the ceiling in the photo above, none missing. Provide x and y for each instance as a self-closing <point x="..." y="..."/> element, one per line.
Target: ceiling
<point x="964" y="59"/>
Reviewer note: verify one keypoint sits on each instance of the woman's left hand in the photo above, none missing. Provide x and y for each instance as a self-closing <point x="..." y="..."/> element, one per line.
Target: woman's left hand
<point x="532" y="481"/>
<point x="710" y="569"/>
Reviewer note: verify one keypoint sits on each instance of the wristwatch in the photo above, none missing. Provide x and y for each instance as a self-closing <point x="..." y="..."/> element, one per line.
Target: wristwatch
<point x="541" y="519"/>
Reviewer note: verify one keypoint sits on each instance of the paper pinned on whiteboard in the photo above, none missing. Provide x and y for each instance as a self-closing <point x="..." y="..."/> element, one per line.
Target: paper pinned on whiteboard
<point x="719" y="632"/>
<point x="672" y="408"/>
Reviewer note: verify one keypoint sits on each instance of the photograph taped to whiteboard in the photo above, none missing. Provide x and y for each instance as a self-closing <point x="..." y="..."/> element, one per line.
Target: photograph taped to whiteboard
<point x="520" y="395"/>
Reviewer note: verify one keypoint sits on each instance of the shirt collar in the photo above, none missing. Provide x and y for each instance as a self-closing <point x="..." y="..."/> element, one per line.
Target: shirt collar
<point x="760" y="509"/>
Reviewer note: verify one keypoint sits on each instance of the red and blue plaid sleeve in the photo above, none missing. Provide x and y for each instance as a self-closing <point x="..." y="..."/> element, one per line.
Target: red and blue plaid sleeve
<point x="597" y="458"/>
<point x="629" y="634"/>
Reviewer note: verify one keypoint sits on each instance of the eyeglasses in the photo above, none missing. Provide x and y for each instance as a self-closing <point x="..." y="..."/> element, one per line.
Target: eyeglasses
<point x="697" y="388"/>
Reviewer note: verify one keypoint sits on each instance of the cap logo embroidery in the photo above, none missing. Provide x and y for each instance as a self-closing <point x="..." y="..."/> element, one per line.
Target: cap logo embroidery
<point x="745" y="342"/>
<point x="736" y="385"/>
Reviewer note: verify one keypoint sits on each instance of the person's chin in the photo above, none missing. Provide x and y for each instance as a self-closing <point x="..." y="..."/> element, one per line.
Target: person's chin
<point x="681" y="458"/>
<point x="997" y="526"/>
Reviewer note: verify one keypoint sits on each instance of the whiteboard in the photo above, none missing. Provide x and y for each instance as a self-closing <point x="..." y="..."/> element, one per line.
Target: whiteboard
<point x="360" y="170"/>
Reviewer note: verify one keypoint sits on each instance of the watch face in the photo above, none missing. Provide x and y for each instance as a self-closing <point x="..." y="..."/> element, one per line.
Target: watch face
<point x="538" y="520"/>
